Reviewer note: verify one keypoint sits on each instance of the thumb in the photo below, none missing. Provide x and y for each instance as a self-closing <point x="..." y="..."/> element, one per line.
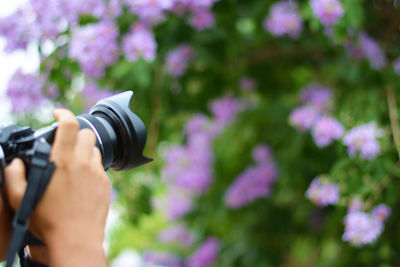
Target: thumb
<point x="15" y="183"/>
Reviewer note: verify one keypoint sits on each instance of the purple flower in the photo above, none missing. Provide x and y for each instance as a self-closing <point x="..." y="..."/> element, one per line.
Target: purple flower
<point x="326" y="130"/>
<point x="200" y="124"/>
<point x="95" y="47"/>
<point x="138" y="43"/>
<point x="17" y="30"/>
<point x="162" y="258"/>
<point x="92" y="94"/>
<point x="206" y="254"/>
<point x="176" y="203"/>
<point x="323" y="193"/>
<point x="363" y="139"/>
<point x="370" y="49"/>
<point x="303" y="118"/>
<point x="361" y="228"/>
<point x="355" y="205"/>
<point x="317" y="96"/>
<point x="190" y="167"/>
<point x="284" y="19"/>
<point x="25" y="92"/>
<point x="202" y="19"/>
<point x="328" y="11"/>
<point x="255" y="182"/>
<point x="149" y="10"/>
<point x="225" y="109"/>
<point x="177" y="233"/>
<point x="381" y="212"/>
<point x="396" y="66"/>
<point x="177" y="60"/>
<point x="247" y="84"/>
<point x="262" y="154"/>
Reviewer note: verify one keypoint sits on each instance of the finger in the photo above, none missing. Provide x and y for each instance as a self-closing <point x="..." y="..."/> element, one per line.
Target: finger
<point x="97" y="157"/>
<point x="85" y="144"/>
<point x="15" y="183"/>
<point x="66" y="134"/>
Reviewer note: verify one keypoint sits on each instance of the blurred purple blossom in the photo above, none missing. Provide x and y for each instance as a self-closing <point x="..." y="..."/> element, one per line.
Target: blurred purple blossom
<point x="162" y="258"/>
<point x="372" y="51"/>
<point x="95" y="47"/>
<point x="175" y="203"/>
<point x="177" y="60"/>
<point x="396" y="66"/>
<point x="317" y="96"/>
<point x="381" y="212"/>
<point x="303" y="118"/>
<point x="363" y="139"/>
<point x="91" y="94"/>
<point x="328" y="11"/>
<point x="139" y="43"/>
<point x="262" y="154"/>
<point x="247" y="83"/>
<point x="326" y="130"/>
<point x="25" y="92"/>
<point x="206" y="254"/>
<point x="149" y="10"/>
<point x="255" y="182"/>
<point x="17" y="29"/>
<point x="323" y="193"/>
<point x="225" y="109"/>
<point x="202" y="19"/>
<point x="368" y="48"/>
<point x="201" y="124"/>
<point x="355" y="205"/>
<point x="361" y="228"/>
<point x="284" y="19"/>
<point x="177" y="233"/>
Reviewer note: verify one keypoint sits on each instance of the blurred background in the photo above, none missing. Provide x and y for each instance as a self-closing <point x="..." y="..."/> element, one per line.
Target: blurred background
<point x="273" y="124"/>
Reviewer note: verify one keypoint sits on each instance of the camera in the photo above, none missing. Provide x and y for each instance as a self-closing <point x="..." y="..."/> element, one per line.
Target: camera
<point x="120" y="134"/>
<point x="120" y="137"/>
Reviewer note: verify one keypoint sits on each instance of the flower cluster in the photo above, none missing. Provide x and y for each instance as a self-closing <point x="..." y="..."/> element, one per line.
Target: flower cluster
<point x="177" y="60"/>
<point x="255" y="182"/>
<point x="323" y="193"/>
<point x="367" y="48"/>
<point x="95" y="47"/>
<point x="162" y="258"/>
<point x="139" y="43"/>
<point x="284" y="19"/>
<point x="188" y="168"/>
<point x="363" y="228"/>
<point x="91" y="93"/>
<point x="314" y="115"/>
<point x="205" y="255"/>
<point x="201" y="17"/>
<point x="328" y="11"/>
<point x="177" y="233"/>
<point x="25" y="92"/>
<point x="363" y="139"/>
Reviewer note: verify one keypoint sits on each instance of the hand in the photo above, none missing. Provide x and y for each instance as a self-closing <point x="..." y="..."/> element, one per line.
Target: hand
<point x="71" y="216"/>
<point x="5" y="228"/>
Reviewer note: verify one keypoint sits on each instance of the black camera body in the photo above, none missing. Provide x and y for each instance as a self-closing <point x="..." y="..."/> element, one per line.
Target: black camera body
<point x="120" y="134"/>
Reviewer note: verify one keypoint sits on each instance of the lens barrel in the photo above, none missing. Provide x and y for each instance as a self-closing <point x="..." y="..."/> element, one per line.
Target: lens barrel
<point x="121" y="134"/>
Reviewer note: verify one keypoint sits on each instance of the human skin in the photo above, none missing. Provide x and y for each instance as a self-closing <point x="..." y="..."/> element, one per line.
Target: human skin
<point x="71" y="216"/>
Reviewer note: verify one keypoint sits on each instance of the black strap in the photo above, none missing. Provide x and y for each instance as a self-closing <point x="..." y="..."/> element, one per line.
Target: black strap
<point x="40" y="173"/>
<point x="25" y="261"/>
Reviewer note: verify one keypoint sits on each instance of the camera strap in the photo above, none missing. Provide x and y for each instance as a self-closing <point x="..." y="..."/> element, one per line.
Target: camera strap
<point x="39" y="177"/>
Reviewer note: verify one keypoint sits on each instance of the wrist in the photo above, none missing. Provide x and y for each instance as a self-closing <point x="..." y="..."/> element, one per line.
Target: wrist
<point x="75" y="248"/>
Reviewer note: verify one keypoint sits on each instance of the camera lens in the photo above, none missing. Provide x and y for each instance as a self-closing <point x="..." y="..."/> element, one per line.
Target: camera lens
<point x="121" y="134"/>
